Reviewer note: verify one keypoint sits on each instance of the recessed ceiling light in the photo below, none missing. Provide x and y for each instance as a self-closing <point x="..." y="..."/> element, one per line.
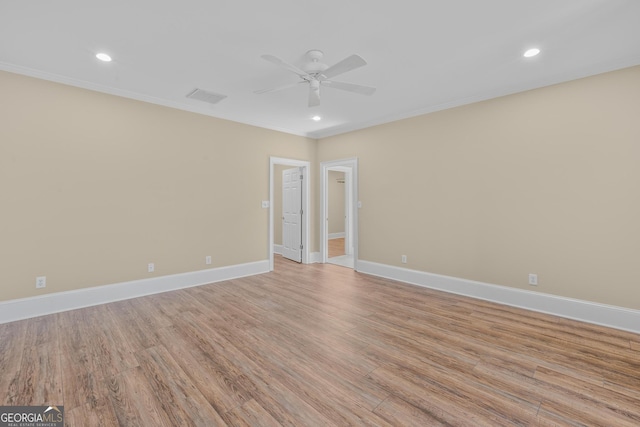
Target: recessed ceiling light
<point x="531" y="52"/>
<point x="103" y="57"/>
<point x="316" y="118"/>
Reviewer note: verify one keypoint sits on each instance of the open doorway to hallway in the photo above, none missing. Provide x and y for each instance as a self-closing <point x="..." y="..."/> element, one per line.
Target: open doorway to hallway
<point x="339" y="220"/>
<point x="339" y="212"/>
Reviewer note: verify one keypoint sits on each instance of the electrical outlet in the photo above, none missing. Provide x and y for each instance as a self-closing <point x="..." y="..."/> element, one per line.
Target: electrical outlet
<point x="151" y="267"/>
<point x="533" y="279"/>
<point x="207" y="260"/>
<point x="265" y="204"/>
<point x="41" y="282"/>
<point x="404" y="259"/>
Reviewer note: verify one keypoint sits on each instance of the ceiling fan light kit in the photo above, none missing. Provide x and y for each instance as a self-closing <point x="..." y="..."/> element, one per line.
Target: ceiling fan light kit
<point x="316" y="74"/>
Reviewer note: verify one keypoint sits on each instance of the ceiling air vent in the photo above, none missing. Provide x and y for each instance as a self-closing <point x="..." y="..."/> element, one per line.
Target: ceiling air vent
<point x="203" y="95"/>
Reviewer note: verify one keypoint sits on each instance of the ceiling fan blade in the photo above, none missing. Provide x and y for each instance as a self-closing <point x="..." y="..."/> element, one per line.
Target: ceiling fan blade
<point x="349" y="87"/>
<point x="275" y="89"/>
<point x="279" y="62"/>
<point x="350" y="63"/>
<point x="314" y="96"/>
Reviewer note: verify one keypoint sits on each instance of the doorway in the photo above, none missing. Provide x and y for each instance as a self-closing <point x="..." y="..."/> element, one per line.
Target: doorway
<point x="304" y="168"/>
<point x="338" y="234"/>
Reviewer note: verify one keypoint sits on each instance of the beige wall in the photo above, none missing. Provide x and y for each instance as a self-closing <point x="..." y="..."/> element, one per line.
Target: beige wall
<point x="93" y="187"/>
<point x="542" y="182"/>
<point x="336" y="202"/>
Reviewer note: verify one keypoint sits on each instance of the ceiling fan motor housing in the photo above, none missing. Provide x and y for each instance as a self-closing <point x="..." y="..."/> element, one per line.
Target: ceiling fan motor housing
<point x="314" y="66"/>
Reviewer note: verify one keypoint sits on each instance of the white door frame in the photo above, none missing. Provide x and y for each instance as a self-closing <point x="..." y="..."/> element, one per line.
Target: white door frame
<point x="306" y="204"/>
<point x="324" y="204"/>
<point x="350" y="212"/>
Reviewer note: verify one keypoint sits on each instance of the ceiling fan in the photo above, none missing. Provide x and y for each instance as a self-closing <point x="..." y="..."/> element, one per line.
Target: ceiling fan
<point x="317" y="74"/>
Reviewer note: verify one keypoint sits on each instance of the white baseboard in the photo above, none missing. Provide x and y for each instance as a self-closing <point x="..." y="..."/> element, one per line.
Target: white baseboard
<point x="336" y="235"/>
<point x="25" y="308"/>
<point x="314" y="257"/>
<point x="585" y="311"/>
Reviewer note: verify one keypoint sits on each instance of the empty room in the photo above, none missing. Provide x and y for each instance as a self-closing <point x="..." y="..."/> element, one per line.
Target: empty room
<point x="291" y="213"/>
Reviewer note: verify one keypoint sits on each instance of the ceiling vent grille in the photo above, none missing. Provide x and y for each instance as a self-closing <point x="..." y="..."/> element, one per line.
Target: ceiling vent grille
<point x="203" y="95"/>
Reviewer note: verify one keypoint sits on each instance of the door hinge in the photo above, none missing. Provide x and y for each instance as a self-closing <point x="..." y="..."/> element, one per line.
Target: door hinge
<point x="300" y="246"/>
<point x="301" y="211"/>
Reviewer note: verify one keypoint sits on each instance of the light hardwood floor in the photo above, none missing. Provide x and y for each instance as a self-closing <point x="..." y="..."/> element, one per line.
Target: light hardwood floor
<point x="319" y="345"/>
<point x="335" y="247"/>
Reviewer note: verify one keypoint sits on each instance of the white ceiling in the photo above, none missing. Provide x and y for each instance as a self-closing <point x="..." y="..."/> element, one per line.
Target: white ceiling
<point x="423" y="55"/>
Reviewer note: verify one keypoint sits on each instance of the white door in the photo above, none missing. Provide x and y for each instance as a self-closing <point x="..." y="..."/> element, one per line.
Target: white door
<point x="292" y="214"/>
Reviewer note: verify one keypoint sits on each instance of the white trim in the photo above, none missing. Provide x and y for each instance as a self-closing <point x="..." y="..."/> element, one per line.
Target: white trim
<point x="585" y="311"/>
<point x="25" y="308"/>
<point x="306" y="203"/>
<point x="545" y="81"/>
<point x="562" y="77"/>
<point x="350" y="163"/>
<point x="206" y="109"/>
<point x="350" y="213"/>
<point x="337" y="235"/>
<point x="315" y="258"/>
<point x="277" y="249"/>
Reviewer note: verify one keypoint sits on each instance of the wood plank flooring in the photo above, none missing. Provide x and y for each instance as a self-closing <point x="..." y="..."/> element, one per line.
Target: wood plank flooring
<point x="319" y="345"/>
<point x="335" y="247"/>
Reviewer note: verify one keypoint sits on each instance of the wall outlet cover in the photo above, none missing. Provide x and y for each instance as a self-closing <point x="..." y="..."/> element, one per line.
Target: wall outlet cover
<point x="41" y="282"/>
